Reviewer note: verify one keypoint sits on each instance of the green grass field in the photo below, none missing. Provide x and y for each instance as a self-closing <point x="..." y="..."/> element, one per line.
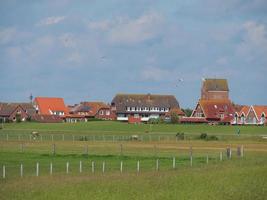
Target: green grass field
<point x="236" y="178"/>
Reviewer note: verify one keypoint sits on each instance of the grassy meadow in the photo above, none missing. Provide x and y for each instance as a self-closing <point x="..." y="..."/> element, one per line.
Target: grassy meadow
<point x="235" y="178"/>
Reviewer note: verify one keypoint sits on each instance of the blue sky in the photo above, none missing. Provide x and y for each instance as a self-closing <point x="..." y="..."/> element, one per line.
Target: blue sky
<point x="91" y="50"/>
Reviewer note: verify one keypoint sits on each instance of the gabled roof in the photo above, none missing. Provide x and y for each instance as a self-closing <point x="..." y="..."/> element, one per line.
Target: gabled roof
<point x="215" y="85"/>
<point x="7" y="109"/>
<point x="94" y="107"/>
<point x="259" y="110"/>
<point x="27" y="107"/>
<point x="122" y="101"/>
<point x="45" y="104"/>
<point x="244" y="110"/>
<point x="213" y="108"/>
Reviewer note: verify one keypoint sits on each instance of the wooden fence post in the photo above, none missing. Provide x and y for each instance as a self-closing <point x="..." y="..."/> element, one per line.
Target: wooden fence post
<point x="93" y="167"/>
<point x="4" y="171"/>
<point x="41" y="137"/>
<point x="52" y="137"/>
<point x="103" y="167"/>
<point x="221" y="156"/>
<point x="207" y="159"/>
<point x="37" y="169"/>
<point x="173" y="163"/>
<point x="21" y="170"/>
<point x="81" y="167"/>
<point x="229" y="152"/>
<point x="63" y="137"/>
<point x="191" y="156"/>
<point x="121" y="166"/>
<point x="242" y="151"/>
<point x="67" y="167"/>
<point x="51" y="168"/>
<point x="157" y="165"/>
<point x="138" y="166"/>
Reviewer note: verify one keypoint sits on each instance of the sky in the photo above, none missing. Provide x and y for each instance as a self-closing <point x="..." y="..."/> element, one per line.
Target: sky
<point x="91" y="50"/>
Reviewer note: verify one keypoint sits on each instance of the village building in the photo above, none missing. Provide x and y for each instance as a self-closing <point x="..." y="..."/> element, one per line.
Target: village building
<point x="88" y="110"/>
<point x="136" y="108"/>
<point x="50" y="106"/>
<point x="11" y="112"/>
<point x="214" y="106"/>
<point x="50" y="109"/>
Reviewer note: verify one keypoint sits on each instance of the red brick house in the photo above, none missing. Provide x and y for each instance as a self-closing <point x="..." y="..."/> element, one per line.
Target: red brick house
<point x="214" y="106"/>
<point x="50" y="106"/>
<point x="212" y="111"/>
<point x="12" y="112"/>
<point x="98" y="110"/>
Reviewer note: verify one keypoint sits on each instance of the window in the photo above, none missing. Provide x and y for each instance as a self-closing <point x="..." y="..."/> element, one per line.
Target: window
<point x="101" y="112"/>
<point x="107" y="112"/>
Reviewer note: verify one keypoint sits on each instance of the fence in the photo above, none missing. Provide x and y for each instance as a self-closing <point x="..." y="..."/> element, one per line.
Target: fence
<point x="121" y="166"/>
<point x="27" y="136"/>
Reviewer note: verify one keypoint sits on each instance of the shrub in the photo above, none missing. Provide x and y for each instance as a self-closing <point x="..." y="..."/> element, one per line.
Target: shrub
<point x="180" y="136"/>
<point x="212" y="137"/>
<point x="203" y="136"/>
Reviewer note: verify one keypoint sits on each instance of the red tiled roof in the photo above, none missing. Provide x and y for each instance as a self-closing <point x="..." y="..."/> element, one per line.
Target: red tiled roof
<point x="244" y="110"/>
<point x="45" y="104"/>
<point x="259" y="110"/>
<point x="213" y="108"/>
<point x="95" y="107"/>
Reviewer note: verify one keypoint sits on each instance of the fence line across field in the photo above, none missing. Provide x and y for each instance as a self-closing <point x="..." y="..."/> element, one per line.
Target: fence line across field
<point x="80" y="168"/>
<point x="100" y="137"/>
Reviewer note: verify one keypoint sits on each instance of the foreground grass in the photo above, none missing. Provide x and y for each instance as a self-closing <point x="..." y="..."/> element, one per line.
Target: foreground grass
<point x="236" y="179"/>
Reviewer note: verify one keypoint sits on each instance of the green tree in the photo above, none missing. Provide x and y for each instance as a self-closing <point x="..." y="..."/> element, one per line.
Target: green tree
<point x="187" y="111"/>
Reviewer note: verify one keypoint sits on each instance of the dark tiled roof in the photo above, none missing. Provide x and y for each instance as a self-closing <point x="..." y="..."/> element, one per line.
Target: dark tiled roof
<point x="215" y="85"/>
<point x="7" y="108"/>
<point x="121" y="101"/>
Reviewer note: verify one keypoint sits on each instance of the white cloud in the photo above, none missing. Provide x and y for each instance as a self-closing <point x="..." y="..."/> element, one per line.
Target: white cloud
<point x="7" y="35"/>
<point x="155" y="74"/>
<point x="137" y="30"/>
<point x="51" y="20"/>
<point x="255" y="33"/>
<point x="254" y="41"/>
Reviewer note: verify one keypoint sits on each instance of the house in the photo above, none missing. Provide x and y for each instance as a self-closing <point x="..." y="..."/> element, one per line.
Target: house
<point x="212" y="111"/>
<point x="214" y="105"/>
<point x="257" y="115"/>
<point x="50" y="106"/>
<point x="135" y="108"/>
<point x="240" y="115"/>
<point x="251" y="115"/>
<point x="98" y="110"/>
<point x="16" y="111"/>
